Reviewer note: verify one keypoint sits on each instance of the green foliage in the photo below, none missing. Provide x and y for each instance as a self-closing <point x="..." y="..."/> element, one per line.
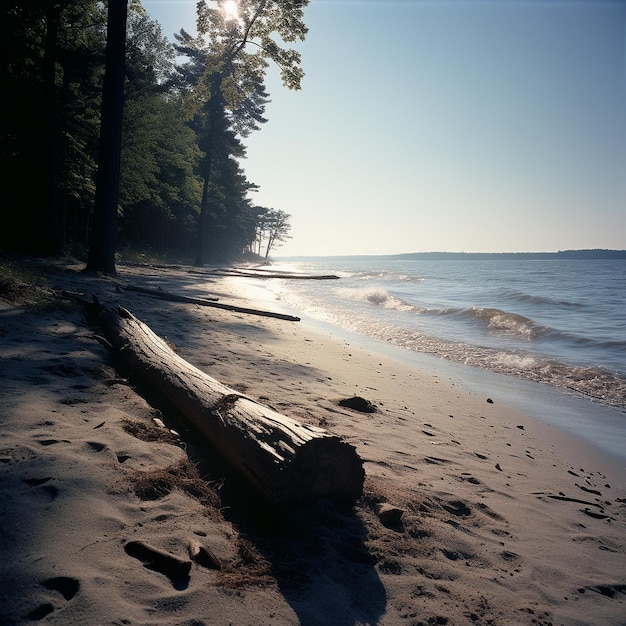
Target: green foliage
<point x="52" y="69"/>
<point x="160" y="192"/>
<point x="225" y="90"/>
<point x="182" y="132"/>
<point x="272" y="227"/>
<point x="241" y="49"/>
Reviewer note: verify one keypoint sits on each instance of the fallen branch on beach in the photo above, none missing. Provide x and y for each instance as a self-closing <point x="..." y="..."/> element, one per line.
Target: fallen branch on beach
<point x="264" y="273"/>
<point x="285" y="461"/>
<point x="165" y="295"/>
<point x="249" y="272"/>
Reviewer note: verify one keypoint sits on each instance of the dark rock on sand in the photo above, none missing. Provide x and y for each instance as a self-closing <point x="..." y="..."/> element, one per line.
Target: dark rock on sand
<point x="358" y="404"/>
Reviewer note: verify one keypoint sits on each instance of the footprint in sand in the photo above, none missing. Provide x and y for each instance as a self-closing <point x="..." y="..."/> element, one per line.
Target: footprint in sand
<point x="73" y="401"/>
<point x="465" y="477"/>
<point x="40" y="612"/>
<point x="62" y="370"/>
<point x="458" y="508"/>
<point x="66" y="586"/>
<point x="94" y="445"/>
<point x="35" y="482"/>
<point x="509" y="556"/>
<point x="175" y="568"/>
<point x="595" y="492"/>
<point x="49" y="490"/>
<point x="594" y="514"/>
<point x="456" y="555"/>
<point x="52" y="442"/>
<point x="434" y="460"/>
<point x="610" y="591"/>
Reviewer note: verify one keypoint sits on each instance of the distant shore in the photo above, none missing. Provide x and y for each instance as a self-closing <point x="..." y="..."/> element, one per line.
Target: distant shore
<point x="482" y="256"/>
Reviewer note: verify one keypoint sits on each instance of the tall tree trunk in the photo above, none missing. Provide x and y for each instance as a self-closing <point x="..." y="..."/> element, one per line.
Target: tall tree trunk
<point x="215" y="124"/>
<point x="67" y="228"/>
<point x="103" y="236"/>
<point x="52" y="237"/>
<point x="203" y="218"/>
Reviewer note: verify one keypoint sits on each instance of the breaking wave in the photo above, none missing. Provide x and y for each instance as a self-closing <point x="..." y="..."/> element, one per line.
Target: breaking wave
<point x="494" y="320"/>
<point x="374" y="296"/>
<point x="594" y="382"/>
<point x="564" y="329"/>
<point x="503" y="322"/>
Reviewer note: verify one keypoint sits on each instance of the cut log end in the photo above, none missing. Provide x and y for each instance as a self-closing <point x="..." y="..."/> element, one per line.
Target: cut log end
<point x="328" y="468"/>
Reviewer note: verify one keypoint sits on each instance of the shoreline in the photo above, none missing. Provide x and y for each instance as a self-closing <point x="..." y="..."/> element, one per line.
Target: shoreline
<point x="561" y="408"/>
<point x="503" y="326"/>
<point x="499" y="509"/>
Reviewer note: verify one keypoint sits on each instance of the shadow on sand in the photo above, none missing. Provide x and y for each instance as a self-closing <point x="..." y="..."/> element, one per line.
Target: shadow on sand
<point x="317" y="554"/>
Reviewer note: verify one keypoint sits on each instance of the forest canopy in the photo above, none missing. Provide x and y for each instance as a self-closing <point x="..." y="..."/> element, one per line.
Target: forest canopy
<point x="188" y="107"/>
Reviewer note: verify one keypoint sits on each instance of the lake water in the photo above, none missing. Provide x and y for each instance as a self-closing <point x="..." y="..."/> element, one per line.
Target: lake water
<point x="558" y="322"/>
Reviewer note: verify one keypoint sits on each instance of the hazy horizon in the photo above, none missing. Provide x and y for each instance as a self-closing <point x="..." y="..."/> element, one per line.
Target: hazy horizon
<point x="580" y="253"/>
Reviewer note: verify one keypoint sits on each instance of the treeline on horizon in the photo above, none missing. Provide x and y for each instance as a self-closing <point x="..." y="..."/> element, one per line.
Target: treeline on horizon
<point x="187" y="109"/>
<point x="561" y="254"/>
<point x="465" y="256"/>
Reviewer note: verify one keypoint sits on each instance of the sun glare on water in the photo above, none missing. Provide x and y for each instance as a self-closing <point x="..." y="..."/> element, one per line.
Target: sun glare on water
<point x="230" y="10"/>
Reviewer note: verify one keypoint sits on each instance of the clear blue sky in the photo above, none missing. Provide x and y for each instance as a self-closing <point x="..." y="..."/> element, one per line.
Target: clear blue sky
<point x="482" y="126"/>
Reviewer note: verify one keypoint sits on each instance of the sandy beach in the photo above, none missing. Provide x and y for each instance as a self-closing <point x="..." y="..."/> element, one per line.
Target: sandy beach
<point x="505" y="519"/>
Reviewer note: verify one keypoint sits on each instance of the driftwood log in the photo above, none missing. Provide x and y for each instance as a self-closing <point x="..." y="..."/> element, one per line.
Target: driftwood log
<point x="285" y="461"/>
<point x="212" y="302"/>
<point x="165" y="295"/>
<point x="259" y="272"/>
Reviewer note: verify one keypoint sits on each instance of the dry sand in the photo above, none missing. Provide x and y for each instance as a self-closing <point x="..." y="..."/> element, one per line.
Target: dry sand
<point x="506" y="520"/>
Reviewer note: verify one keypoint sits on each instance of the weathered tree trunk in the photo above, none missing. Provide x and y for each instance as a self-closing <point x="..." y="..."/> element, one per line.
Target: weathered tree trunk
<point x="53" y="234"/>
<point x="286" y="462"/>
<point x="104" y="229"/>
